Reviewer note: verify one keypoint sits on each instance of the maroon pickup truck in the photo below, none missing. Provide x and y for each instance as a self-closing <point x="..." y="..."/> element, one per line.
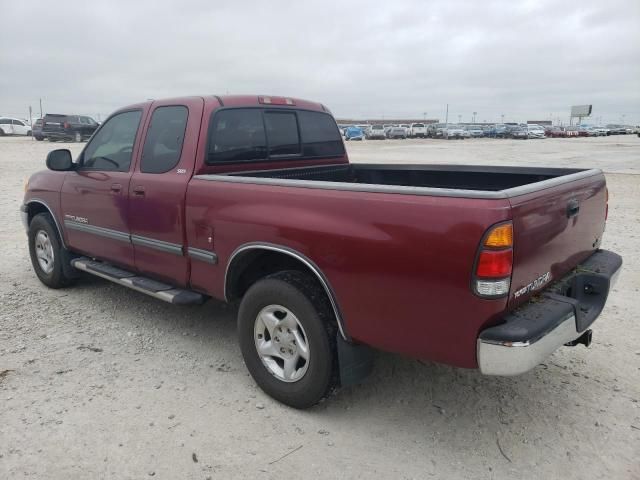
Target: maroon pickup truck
<point x="252" y="200"/>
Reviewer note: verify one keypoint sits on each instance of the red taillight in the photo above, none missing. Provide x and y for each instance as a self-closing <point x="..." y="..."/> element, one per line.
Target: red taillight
<point x="494" y="264"/>
<point x="492" y="276"/>
<point x="66" y="125"/>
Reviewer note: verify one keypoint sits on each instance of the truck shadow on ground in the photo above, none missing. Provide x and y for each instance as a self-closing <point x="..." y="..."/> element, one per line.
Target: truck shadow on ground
<point x="421" y="397"/>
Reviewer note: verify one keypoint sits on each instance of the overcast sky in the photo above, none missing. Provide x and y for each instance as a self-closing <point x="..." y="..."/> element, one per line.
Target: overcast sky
<point x="526" y="59"/>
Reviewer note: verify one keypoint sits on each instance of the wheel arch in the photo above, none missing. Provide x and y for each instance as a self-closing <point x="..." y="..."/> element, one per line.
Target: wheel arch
<point x="36" y="206"/>
<point x="253" y="261"/>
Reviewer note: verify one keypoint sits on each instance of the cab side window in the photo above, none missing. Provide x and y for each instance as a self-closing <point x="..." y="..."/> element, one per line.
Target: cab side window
<point x="165" y="136"/>
<point x="237" y="135"/>
<point x="111" y="147"/>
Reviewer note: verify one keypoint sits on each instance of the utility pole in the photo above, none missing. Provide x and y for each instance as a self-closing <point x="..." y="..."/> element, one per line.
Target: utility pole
<point x="41" y="109"/>
<point x="502" y="117"/>
<point x="446" y="119"/>
<point x="474" y="117"/>
<point x="424" y="116"/>
<point x="31" y="123"/>
<point x="459" y="118"/>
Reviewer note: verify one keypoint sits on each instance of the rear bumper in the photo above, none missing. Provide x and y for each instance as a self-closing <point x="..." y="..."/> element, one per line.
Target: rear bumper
<point x="561" y="314"/>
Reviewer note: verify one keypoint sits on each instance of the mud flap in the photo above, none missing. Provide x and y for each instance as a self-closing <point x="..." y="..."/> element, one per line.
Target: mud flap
<point x="356" y="362"/>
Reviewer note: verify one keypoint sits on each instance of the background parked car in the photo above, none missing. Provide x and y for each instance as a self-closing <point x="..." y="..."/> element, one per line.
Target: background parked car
<point x="36" y="130"/>
<point x="435" y="130"/>
<point x="454" y="132"/>
<point x="555" y="132"/>
<point x="518" y="132"/>
<point x="475" y="131"/>
<point x="353" y="133"/>
<point x="535" y="131"/>
<point x="397" y="132"/>
<point x="571" y="132"/>
<point x="497" y="131"/>
<point x="68" y="127"/>
<point x="417" y="130"/>
<point x="586" y="131"/>
<point x="617" y="129"/>
<point x="376" y="132"/>
<point x="14" y="126"/>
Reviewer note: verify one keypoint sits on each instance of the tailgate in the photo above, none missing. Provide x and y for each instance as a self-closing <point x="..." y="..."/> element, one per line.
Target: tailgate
<point x="555" y="229"/>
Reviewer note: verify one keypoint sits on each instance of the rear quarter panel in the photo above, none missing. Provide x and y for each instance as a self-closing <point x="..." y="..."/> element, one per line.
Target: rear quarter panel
<point x="400" y="265"/>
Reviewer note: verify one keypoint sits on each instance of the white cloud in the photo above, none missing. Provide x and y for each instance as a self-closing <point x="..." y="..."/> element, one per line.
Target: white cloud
<point x="525" y="59"/>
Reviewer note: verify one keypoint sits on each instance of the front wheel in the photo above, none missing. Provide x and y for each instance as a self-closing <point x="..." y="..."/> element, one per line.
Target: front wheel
<point x="287" y="335"/>
<point x="46" y="252"/>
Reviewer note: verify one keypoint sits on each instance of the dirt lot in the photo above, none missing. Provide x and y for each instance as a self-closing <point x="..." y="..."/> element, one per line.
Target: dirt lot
<point x="101" y="382"/>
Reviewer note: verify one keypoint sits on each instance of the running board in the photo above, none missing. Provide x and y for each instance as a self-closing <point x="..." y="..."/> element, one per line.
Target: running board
<point x="156" y="289"/>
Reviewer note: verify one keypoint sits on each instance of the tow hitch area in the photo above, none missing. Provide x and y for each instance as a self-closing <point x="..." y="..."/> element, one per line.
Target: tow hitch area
<point x="561" y="315"/>
<point x="584" y="339"/>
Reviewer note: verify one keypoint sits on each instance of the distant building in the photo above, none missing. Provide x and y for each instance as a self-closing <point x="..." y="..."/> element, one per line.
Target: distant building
<point x="539" y="122"/>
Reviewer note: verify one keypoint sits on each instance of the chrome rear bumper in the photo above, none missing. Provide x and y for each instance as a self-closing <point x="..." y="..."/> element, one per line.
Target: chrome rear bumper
<point x="534" y="331"/>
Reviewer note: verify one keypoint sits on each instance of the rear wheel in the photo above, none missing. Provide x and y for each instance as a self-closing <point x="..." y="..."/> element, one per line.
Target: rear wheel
<point x="46" y="252"/>
<point x="287" y="335"/>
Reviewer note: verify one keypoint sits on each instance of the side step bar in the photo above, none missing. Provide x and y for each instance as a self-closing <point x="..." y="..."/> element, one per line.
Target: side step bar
<point x="162" y="291"/>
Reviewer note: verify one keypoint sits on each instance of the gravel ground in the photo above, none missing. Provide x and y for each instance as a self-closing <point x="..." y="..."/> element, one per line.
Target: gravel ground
<point x="98" y="381"/>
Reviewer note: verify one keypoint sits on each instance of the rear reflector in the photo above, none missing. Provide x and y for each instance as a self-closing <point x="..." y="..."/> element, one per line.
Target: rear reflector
<point x="494" y="264"/>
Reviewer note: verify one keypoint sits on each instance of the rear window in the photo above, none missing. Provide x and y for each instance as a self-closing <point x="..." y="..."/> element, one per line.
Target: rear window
<point x="320" y="135"/>
<point x="282" y="133"/>
<point x="247" y="134"/>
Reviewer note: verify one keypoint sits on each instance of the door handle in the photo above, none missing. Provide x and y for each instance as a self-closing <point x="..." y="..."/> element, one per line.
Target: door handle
<point x="116" y="188"/>
<point x="138" y="191"/>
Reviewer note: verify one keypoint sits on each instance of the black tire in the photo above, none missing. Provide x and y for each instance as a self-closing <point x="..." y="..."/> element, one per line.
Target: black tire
<point x="303" y="296"/>
<point x="29" y="133"/>
<point x="1" y="133"/>
<point x="57" y="277"/>
<point x="39" y="138"/>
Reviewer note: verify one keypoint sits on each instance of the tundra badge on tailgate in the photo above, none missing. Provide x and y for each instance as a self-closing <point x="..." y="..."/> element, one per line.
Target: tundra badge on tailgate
<point x="535" y="285"/>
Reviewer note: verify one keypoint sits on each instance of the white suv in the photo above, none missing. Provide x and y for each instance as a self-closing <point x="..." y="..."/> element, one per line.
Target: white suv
<point x="417" y="130"/>
<point x="14" y="126"/>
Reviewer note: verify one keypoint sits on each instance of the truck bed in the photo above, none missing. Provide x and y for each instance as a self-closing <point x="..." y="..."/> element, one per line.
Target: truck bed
<point x="440" y="180"/>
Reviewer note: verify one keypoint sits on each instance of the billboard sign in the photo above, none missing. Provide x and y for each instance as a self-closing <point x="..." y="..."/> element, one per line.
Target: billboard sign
<point x="581" y="110"/>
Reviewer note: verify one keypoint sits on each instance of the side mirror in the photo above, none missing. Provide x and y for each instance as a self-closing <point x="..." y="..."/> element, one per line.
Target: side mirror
<point x="59" y="160"/>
